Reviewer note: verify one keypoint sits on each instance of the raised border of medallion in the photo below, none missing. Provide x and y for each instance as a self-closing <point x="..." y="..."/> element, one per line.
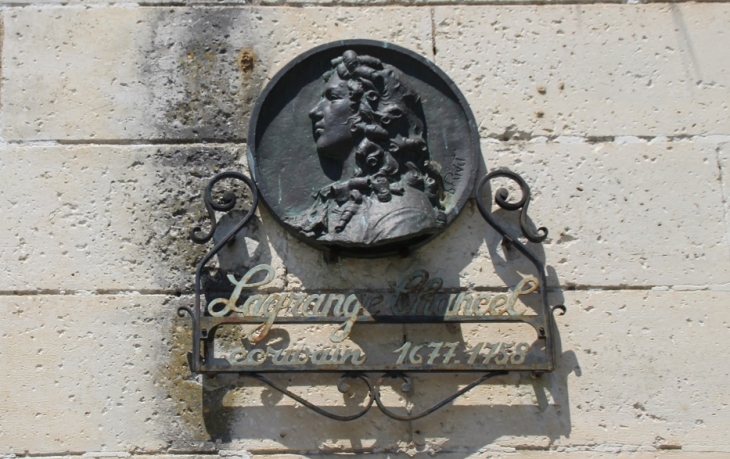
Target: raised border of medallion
<point x="404" y="247"/>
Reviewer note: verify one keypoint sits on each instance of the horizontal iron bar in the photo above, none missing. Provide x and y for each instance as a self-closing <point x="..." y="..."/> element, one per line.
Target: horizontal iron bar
<point x="210" y="322"/>
<point x="463" y="368"/>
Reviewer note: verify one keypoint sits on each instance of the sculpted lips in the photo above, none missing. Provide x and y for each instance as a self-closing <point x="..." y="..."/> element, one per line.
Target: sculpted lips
<point x="318" y="130"/>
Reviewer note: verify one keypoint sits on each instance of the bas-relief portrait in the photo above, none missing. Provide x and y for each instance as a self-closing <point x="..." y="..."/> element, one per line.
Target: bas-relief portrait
<point x="369" y="126"/>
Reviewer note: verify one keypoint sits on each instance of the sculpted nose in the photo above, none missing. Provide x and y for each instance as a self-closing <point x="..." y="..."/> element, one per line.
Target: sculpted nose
<point x="315" y="113"/>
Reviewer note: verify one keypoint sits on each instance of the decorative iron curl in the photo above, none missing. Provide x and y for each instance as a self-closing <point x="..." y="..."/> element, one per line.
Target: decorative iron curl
<point x="373" y="394"/>
<point x="342" y="386"/>
<point x="562" y="308"/>
<point x="227" y="203"/>
<point x="407" y="387"/>
<point x="501" y="198"/>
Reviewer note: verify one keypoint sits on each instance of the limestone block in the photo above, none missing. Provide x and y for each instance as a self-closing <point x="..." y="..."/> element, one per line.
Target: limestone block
<point x="637" y="371"/>
<point x="598" y="70"/>
<point x="158" y="73"/>
<point x="110" y="218"/>
<point x="90" y="373"/>
<point x="628" y="213"/>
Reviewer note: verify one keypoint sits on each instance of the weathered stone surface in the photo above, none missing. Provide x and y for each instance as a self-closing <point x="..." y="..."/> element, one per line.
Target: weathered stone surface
<point x="599" y="70"/>
<point x="579" y="452"/>
<point x="642" y="369"/>
<point x="90" y="373"/>
<point x="106" y="218"/>
<point x="624" y="205"/>
<point x="723" y="152"/>
<point x="604" y="452"/>
<point x="95" y="254"/>
<point x="297" y="3"/>
<point x="160" y="73"/>
<point x="127" y="226"/>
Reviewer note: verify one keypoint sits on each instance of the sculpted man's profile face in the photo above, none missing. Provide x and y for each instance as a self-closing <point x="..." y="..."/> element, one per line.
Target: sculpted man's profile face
<point x="369" y="125"/>
<point x="331" y="117"/>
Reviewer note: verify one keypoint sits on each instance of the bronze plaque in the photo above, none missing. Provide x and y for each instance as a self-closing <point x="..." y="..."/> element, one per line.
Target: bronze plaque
<point x="364" y="148"/>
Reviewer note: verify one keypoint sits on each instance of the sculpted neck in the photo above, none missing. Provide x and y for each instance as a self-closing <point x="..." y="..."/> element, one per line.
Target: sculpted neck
<point x="349" y="166"/>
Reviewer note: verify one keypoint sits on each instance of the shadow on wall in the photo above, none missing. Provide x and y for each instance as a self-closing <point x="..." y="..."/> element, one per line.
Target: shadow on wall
<point x="519" y="408"/>
<point x="244" y="413"/>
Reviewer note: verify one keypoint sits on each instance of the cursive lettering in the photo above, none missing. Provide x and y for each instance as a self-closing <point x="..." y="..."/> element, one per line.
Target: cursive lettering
<point x="298" y="356"/>
<point x="416" y="295"/>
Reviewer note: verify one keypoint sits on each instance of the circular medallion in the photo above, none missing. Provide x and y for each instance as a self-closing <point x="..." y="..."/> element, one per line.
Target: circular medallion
<point x="363" y="148"/>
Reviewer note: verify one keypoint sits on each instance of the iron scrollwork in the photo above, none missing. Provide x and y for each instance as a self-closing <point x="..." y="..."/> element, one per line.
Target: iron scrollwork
<point x="501" y="198"/>
<point x="205" y="334"/>
<point x="373" y="394"/>
<point x="227" y="204"/>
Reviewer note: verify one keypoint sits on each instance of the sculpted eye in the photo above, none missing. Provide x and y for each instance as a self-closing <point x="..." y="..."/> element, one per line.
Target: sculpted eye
<point x="331" y="95"/>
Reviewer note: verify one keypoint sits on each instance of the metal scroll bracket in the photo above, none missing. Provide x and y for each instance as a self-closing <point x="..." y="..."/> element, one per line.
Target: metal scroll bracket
<point x="501" y="198"/>
<point x="204" y="335"/>
<point x="227" y="203"/>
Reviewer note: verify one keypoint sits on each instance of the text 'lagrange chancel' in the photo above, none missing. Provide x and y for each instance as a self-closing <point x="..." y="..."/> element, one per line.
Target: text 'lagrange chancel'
<point x="417" y="294"/>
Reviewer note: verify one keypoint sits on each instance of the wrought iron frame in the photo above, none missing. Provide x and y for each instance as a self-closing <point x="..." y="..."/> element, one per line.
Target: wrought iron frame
<point x="204" y="327"/>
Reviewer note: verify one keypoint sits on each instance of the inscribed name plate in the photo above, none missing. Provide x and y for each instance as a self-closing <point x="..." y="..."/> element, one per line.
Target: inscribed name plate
<point x="416" y="326"/>
<point x="364" y="148"/>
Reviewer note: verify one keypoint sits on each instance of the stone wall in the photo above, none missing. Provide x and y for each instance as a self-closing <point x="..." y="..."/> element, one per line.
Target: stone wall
<point x="115" y="115"/>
